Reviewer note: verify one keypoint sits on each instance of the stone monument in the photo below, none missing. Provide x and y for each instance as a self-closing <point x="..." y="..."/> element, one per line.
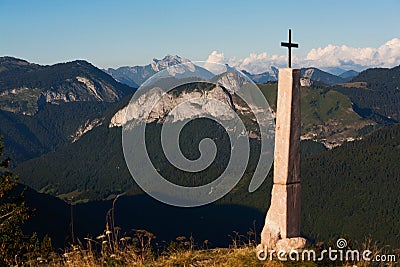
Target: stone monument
<point x="282" y="224"/>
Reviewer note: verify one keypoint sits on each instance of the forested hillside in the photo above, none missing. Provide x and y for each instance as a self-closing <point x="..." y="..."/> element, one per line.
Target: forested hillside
<point x="52" y="127"/>
<point x="353" y="189"/>
<point x="376" y="94"/>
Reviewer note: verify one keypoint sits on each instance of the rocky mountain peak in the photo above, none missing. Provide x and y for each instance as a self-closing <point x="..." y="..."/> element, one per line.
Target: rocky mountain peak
<point x="168" y="61"/>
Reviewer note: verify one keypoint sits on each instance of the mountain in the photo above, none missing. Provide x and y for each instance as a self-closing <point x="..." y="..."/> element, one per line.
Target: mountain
<point x="375" y="94"/>
<point x="88" y="157"/>
<point x="98" y="171"/>
<point x="43" y="108"/>
<point x="330" y="117"/>
<point x="91" y="168"/>
<point x="50" y="128"/>
<point x="333" y="70"/>
<point x="137" y="75"/>
<point x="380" y="78"/>
<point x="327" y="116"/>
<point x="262" y="77"/>
<point x="26" y="87"/>
<point x="315" y="75"/>
<point x="349" y="75"/>
<point x="319" y="76"/>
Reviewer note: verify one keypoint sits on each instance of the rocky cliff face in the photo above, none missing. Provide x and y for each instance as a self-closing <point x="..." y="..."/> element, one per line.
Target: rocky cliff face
<point x="168" y="102"/>
<point x="84" y="128"/>
<point x="317" y="75"/>
<point x="195" y="100"/>
<point x="81" y="89"/>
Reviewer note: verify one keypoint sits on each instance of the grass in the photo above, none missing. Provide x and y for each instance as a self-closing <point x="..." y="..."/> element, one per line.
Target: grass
<point x="180" y="253"/>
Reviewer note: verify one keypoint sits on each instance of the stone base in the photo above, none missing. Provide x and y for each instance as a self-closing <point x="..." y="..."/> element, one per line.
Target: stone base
<point x="288" y="244"/>
<point x="283" y="217"/>
<point x="270" y="234"/>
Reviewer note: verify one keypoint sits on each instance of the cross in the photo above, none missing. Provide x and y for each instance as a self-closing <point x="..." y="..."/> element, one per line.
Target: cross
<point x="290" y="45"/>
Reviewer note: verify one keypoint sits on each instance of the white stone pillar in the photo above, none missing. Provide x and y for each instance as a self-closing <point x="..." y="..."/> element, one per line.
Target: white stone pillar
<point x="282" y="223"/>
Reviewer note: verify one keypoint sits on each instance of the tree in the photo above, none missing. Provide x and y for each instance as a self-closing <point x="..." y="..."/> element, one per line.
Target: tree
<point x="13" y="213"/>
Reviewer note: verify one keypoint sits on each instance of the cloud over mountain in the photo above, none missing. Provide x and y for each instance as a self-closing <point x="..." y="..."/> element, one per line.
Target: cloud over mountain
<point x="331" y="56"/>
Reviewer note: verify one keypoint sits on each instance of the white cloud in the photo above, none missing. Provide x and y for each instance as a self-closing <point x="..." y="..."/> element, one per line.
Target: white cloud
<point x="258" y="63"/>
<point x="254" y="63"/>
<point x="346" y="57"/>
<point x="215" y="57"/>
<point x="390" y="52"/>
<point x="387" y="55"/>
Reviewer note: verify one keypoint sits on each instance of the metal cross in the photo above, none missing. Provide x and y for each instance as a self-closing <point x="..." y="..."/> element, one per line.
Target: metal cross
<point x="290" y="45"/>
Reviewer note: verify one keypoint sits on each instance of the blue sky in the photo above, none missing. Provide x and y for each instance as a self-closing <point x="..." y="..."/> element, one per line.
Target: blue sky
<point x="116" y="33"/>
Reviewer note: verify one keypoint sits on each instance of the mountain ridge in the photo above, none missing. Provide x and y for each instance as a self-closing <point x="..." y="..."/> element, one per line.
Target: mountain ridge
<point x="25" y="87"/>
<point x="375" y="93"/>
<point x="136" y="75"/>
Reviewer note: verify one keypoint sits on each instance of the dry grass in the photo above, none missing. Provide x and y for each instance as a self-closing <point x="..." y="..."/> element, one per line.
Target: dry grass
<point x="244" y="256"/>
<point x="139" y="252"/>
